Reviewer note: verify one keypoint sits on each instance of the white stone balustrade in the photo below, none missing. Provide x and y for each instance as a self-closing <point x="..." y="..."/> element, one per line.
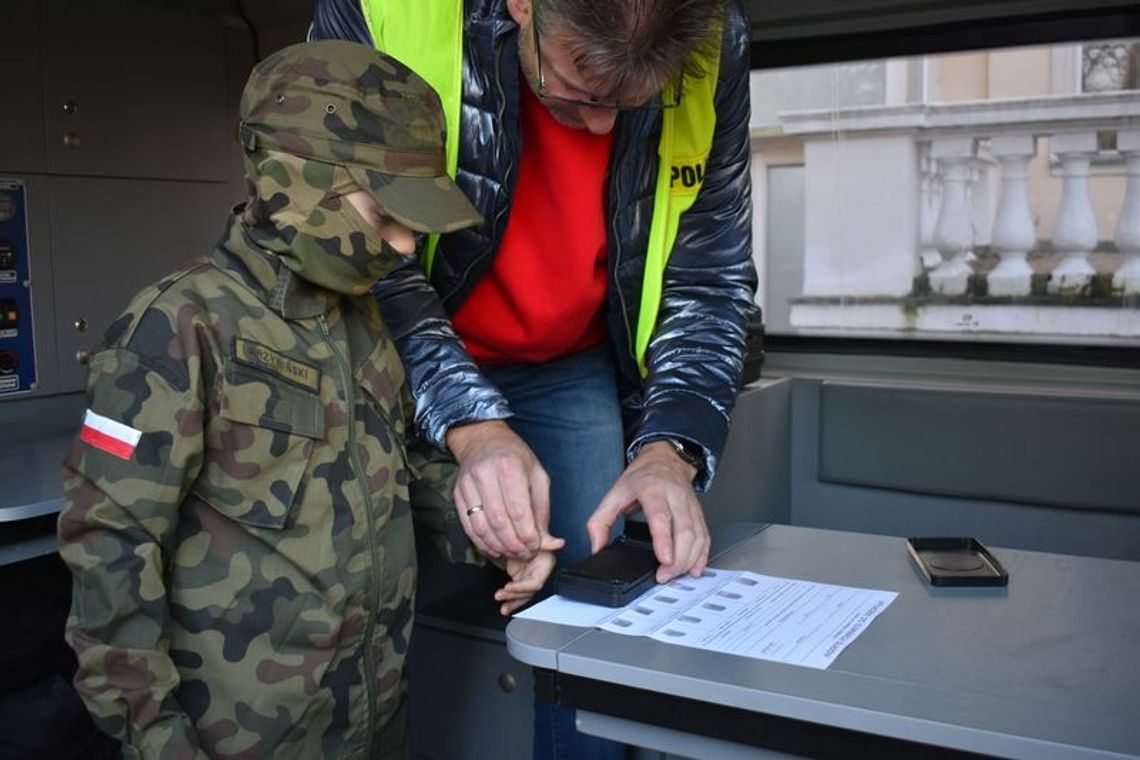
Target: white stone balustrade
<point x="1127" y="237"/>
<point x="1013" y="234"/>
<point x="954" y="230"/>
<point x="1074" y="231"/>
<point x="929" y="205"/>
<point x="895" y="192"/>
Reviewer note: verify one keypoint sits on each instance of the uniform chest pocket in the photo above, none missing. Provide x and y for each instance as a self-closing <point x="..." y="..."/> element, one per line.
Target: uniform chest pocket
<point x="381" y="415"/>
<point x="381" y="377"/>
<point x="258" y="446"/>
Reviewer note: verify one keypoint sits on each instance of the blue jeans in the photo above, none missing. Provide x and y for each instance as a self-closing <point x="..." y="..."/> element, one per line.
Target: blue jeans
<point x="567" y="411"/>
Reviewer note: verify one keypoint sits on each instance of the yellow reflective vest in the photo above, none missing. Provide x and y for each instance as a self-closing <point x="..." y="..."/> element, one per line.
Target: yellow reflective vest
<point x="428" y="37"/>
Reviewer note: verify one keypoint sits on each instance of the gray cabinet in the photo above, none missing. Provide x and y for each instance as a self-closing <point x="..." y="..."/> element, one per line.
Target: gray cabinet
<point x="111" y="238"/>
<point x="134" y="90"/>
<point x="470" y="700"/>
<point x="118" y="118"/>
<point x="22" y="123"/>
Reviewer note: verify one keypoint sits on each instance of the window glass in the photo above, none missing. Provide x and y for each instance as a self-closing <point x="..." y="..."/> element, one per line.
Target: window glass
<point x="989" y="195"/>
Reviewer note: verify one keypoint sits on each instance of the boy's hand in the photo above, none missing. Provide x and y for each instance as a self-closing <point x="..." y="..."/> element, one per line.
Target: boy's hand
<point x="527" y="576"/>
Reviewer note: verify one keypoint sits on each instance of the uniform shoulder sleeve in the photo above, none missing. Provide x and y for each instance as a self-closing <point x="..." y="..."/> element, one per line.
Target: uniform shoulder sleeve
<point x="138" y="452"/>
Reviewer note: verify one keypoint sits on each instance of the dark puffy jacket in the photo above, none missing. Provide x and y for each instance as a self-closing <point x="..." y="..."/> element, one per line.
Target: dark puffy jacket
<point x="696" y="354"/>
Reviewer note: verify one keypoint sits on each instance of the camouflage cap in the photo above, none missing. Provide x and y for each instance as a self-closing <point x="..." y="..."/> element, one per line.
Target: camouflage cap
<point x="344" y="103"/>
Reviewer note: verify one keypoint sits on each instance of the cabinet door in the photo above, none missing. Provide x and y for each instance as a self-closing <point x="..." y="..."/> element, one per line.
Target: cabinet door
<point x="134" y="90"/>
<point x="470" y="700"/>
<point x="112" y="237"/>
<point x="22" y="105"/>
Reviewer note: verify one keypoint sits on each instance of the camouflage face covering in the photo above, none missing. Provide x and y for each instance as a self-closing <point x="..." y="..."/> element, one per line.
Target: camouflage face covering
<point x="298" y="213"/>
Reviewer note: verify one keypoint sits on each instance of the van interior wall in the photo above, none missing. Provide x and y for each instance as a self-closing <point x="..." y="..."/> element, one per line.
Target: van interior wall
<point x="1027" y="456"/>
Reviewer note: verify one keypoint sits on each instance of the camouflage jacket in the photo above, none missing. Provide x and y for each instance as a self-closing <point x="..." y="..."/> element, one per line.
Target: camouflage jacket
<point x="244" y="581"/>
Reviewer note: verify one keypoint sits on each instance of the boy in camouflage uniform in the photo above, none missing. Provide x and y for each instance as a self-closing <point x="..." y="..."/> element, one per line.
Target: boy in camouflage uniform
<point x="237" y="518"/>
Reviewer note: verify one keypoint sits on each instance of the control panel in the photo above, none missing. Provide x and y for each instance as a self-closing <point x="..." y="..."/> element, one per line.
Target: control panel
<point x="17" y="339"/>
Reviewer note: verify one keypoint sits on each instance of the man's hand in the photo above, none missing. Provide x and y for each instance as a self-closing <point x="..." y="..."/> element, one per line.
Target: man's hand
<point x="662" y="483"/>
<point x="527" y="576"/>
<point x="502" y="493"/>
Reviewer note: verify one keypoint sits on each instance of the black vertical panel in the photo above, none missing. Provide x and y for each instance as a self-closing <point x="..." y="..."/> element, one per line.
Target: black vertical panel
<point x="802" y="32"/>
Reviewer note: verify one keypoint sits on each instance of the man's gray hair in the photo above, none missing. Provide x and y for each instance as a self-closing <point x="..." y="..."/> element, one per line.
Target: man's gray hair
<point x="629" y="42"/>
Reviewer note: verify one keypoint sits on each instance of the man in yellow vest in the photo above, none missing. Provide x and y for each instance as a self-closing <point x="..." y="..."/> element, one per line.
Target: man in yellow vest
<point x="579" y="352"/>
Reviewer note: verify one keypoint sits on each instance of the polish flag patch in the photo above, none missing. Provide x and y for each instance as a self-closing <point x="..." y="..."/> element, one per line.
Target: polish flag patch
<point x="105" y="434"/>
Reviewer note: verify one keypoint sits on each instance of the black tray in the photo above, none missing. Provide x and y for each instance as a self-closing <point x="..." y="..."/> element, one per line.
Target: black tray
<point x="956" y="561"/>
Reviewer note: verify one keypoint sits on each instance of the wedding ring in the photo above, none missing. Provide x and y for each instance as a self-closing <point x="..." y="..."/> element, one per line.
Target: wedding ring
<point x="474" y="509"/>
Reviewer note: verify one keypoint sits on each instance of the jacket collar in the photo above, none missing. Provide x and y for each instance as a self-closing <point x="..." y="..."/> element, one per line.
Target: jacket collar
<point x="281" y="289"/>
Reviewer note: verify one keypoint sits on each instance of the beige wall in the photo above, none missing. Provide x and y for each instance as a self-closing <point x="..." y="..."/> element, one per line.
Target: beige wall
<point x="1019" y="73"/>
<point x="964" y="76"/>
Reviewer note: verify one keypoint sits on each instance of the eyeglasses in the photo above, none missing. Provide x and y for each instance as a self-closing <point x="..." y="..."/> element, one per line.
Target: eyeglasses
<point x="653" y="105"/>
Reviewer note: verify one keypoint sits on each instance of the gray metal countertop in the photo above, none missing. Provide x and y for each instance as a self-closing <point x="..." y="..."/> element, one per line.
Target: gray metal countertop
<point x="35" y="435"/>
<point x="1046" y="667"/>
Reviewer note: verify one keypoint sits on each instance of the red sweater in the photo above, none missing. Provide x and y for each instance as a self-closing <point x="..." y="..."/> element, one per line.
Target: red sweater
<point x="543" y="295"/>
